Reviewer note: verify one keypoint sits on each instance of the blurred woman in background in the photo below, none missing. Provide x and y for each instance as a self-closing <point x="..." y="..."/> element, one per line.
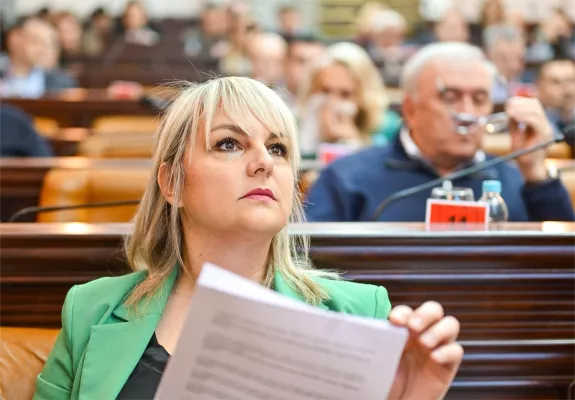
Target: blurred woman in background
<point x="136" y="27"/>
<point x="345" y="101"/>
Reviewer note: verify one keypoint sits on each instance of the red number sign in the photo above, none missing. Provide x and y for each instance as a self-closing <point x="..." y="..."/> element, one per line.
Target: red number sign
<point x="456" y="212"/>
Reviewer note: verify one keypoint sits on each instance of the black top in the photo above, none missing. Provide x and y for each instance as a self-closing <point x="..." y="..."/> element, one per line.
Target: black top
<point x="145" y="378"/>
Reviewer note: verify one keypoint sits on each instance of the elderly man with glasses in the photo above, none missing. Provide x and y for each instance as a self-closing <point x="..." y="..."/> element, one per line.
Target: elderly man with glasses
<point x="444" y="82"/>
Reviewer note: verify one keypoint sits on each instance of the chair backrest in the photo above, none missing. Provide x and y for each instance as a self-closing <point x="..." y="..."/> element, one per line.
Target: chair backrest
<point x="70" y="187"/>
<point x="23" y="352"/>
<point x="568" y="179"/>
<point x="127" y="124"/>
<point x="121" y="145"/>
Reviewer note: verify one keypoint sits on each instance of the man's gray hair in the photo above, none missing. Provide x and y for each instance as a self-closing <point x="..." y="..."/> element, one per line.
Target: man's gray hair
<point x="501" y="32"/>
<point x="441" y="51"/>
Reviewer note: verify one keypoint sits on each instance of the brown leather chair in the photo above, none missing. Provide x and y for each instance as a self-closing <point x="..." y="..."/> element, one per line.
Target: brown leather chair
<point x="23" y="352"/>
<point x="500" y="144"/>
<point x="126" y="124"/>
<point x="121" y="145"/>
<point x="69" y="187"/>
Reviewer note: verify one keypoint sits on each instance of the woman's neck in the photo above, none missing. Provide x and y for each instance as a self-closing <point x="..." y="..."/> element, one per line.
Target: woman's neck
<point x="245" y="257"/>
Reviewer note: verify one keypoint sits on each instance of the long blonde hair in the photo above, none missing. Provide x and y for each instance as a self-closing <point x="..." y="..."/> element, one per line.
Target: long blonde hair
<point x="373" y="100"/>
<point x="157" y="239"/>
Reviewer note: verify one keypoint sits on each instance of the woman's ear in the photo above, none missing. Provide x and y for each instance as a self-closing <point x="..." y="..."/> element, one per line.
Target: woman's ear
<point x="165" y="183"/>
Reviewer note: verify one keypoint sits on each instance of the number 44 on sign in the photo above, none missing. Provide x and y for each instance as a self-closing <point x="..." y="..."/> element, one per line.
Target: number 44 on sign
<point x="464" y="214"/>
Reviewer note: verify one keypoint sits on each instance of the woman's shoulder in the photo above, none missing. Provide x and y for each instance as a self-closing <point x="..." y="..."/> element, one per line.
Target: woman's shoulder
<point x="94" y="299"/>
<point x="356" y="298"/>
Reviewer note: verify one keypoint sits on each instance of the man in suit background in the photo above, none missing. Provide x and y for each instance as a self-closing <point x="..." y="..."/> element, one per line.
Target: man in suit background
<point x="29" y="69"/>
<point x="18" y="138"/>
<point x="440" y="81"/>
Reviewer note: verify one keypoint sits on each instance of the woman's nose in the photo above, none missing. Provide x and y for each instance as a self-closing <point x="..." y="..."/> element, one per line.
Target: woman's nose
<point x="262" y="162"/>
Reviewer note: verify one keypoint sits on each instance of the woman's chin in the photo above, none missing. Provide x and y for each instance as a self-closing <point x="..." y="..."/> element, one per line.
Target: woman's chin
<point x="262" y="222"/>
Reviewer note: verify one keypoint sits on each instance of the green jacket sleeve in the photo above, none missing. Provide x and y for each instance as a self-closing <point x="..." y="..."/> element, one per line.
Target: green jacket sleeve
<point x="382" y="303"/>
<point x="57" y="378"/>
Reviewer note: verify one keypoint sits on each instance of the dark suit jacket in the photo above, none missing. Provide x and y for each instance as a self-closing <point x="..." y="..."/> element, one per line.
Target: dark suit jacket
<point x="18" y="137"/>
<point x="57" y="80"/>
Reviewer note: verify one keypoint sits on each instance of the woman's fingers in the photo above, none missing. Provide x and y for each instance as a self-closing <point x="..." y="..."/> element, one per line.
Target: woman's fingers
<point x="444" y="331"/>
<point x="449" y="355"/>
<point x="425" y="316"/>
<point x="400" y="315"/>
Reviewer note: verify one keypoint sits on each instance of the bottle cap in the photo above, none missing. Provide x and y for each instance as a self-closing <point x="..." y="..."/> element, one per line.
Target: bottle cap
<point x="491" y="186"/>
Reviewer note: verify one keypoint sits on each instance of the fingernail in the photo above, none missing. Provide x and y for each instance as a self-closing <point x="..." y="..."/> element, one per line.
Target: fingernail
<point x="415" y="323"/>
<point x="427" y="340"/>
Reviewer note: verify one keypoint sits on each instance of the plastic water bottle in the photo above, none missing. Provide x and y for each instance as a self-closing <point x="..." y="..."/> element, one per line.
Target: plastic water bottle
<point x="497" y="208"/>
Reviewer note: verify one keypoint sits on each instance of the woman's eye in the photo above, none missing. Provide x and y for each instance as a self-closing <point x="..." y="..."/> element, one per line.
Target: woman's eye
<point x="227" y="144"/>
<point x="278" y="150"/>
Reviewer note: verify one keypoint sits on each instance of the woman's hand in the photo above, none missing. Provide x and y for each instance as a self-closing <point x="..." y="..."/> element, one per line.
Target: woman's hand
<point x="431" y="357"/>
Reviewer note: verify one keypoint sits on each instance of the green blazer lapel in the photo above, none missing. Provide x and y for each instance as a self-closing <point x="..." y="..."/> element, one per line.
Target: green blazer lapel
<point x="281" y="286"/>
<point x="114" y="348"/>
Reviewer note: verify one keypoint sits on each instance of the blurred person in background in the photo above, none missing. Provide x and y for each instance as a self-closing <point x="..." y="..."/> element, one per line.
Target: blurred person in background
<point x="505" y="47"/>
<point x="386" y="45"/>
<point x="452" y="27"/>
<point x="289" y="21"/>
<point x="241" y="28"/>
<point x="267" y="55"/>
<point x="556" y="88"/>
<point x="70" y="37"/>
<point x="97" y="32"/>
<point x="135" y="26"/>
<point x="344" y="101"/>
<point x="440" y="81"/>
<point x="554" y="35"/>
<point x="209" y="40"/>
<point x="302" y="52"/>
<point x="30" y="70"/>
<point x="18" y="138"/>
<point x="493" y="12"/>
<point x="364" y="21"/>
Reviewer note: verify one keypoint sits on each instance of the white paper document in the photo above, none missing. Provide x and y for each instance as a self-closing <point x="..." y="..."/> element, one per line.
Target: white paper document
<point x="242" y="341"/>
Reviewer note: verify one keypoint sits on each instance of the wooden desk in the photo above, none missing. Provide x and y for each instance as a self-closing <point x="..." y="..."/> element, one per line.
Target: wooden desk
<point x="513" y="281"/>
<point x="513" y="291"/>
<point x="79" y="107"/>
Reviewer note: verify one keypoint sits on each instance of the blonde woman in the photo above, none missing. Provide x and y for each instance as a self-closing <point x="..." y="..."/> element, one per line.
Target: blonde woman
<point x="344" y="100"/>
<point x="223" y="189"/>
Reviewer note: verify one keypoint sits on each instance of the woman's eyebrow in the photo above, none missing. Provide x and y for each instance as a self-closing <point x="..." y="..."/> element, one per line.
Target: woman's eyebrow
<point x="240" y="131"/>
<point x="230" y="127"/>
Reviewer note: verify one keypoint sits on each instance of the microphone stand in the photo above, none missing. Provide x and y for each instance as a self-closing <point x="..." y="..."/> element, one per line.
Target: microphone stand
<point x="35" y="210"/>
<point x="459" y="174"/>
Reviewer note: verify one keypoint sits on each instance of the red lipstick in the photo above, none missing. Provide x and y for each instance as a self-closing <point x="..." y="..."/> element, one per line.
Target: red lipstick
<point x="259" y="194"/>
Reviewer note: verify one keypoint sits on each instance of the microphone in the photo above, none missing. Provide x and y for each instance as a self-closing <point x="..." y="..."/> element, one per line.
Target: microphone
<point x="38" y="210"/>
<point x="464" y="172"/>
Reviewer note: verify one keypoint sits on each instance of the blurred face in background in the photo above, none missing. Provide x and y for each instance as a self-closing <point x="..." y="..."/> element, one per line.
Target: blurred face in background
<point x="135" y="17"/>
<point x="556" y="86"/>
<point x="337" y="83"/>
<point x="493" y="13"/>
<point x="301" y="55"/>
<point x="509" y="58"/>
<point x="428" y="111"/>
<point x="267" y="55"/>
<point x="69" y="33"/>
<point x="40" y="44"/>
<point x="289" y="21"/>
<point x="452" y="28"/>
<point x="214" y="21"/>
<point x="393" y="36"/>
